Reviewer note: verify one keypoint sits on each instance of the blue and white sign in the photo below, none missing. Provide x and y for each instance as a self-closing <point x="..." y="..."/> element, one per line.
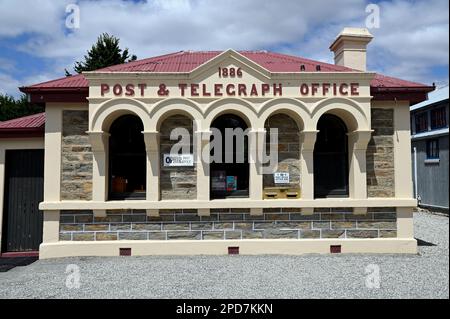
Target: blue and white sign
<point x="178" y="160"/>
<point x="281" y="178"/>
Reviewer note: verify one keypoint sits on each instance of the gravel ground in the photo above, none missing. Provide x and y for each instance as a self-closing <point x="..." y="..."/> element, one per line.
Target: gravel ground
<point x="425" y="275"/>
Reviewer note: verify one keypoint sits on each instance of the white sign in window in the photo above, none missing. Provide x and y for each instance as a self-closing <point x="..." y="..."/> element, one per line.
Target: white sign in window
<point x="281" y="178"/>
<point x="178" y="160"/>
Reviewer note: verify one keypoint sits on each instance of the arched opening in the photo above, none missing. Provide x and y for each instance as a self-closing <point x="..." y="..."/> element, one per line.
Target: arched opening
<point x="127" y="159"/>
<point x="229" y="167"/>
<point x="331" y="158"/>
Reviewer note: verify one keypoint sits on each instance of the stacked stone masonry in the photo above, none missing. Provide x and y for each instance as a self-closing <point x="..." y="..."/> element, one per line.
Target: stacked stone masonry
<point x="177" y="182"/>
<point x="380" y="155"/>
<point x="76" y="157"/>
<point x="288" y="149"/>
<point x="222" y="224"/>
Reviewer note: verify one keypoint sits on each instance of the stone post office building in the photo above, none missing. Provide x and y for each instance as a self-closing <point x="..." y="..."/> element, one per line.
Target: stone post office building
<point x="110" y="184"/>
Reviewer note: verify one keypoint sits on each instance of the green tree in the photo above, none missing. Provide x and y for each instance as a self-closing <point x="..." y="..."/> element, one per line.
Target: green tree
<point x="105" y="52"/>
<point x="11" y="108"/>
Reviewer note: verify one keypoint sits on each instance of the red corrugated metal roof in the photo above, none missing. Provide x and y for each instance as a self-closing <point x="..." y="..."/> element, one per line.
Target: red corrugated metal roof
<point x="35" y="121"/>
<point x="186" y="61"/>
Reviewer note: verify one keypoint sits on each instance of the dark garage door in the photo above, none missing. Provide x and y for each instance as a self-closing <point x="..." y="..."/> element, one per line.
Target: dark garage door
<point x="24" y="181"/>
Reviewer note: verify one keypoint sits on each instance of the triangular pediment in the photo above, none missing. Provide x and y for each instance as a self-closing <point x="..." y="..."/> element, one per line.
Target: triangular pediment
<point x="230" y="59"/>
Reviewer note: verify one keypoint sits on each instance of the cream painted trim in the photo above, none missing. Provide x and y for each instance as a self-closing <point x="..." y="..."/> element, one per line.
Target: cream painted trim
<point x="402" y="151"/>
<point x="51" y="227"/>
<point x="13" y="144"/>
<point x="220" y="247"/>
<point x="307" y="142"/>
<point x="230" y="203"/>
<point x="357" y="146"/>
<point x="52" y="158"/>
<point x="201" y="141"/>
<point x="96" y="77"/>
<point x="405" y="222"/>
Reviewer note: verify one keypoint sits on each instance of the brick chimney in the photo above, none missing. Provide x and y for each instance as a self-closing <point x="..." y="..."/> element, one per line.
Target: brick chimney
<point x="349" y="48"/>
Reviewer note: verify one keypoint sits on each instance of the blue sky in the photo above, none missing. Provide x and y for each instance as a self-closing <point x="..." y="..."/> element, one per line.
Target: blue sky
<point x="411" y="42"/>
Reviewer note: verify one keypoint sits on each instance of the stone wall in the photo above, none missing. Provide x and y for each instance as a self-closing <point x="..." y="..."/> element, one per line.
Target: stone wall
<point x="176" y="182"/>
<point x="380" y="155"/>
<point x="288" y="149"/>
<point x="222" y="224"/>
<point x="76" y="157"/>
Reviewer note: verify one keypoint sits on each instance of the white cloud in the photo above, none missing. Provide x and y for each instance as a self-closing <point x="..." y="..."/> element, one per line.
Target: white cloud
<point x="41" y="17"/>
<point x="412" y="39"/>
<point x="8" y="85"/>
<point x="155" y="27"/>
<point x="7" y="65"/>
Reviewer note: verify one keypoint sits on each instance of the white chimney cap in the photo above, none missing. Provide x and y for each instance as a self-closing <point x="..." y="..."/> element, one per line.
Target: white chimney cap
<point x="359" y="34"/>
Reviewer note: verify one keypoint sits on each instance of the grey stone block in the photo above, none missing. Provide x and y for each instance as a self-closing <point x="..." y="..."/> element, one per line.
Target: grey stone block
<point x="176" y="226"/>
<point x="233" y="234"/>
<point x="83" y="236"/>
<point x="213" y="235"/>
<point x="362" y="233"/>
<point x="305" y="234"/>
<point x="326" y="233"/>
<point x="252" y="234"/>
<point x="132" y="235"/>
<point x="187" y="235"/>
<point x="120" y="227"/>
<point x="278" y="233"/>
<point x="377" y="225"/>
<point x="145" y="226"/>
<point x="321" y="225"/>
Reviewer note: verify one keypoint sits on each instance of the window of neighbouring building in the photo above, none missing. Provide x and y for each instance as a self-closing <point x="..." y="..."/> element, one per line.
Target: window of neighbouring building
<point x="433" y="149"/>
<point x="438" y="118"/>
<point x="421" y="122"/>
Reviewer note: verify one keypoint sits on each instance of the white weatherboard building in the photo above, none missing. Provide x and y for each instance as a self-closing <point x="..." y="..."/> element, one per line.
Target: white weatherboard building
<point x="429" y="139"/>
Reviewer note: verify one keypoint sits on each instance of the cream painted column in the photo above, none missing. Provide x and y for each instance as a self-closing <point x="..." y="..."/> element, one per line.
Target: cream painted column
<point x="151" y="139"/>
<point x="307" y="142"/>
<point x="201" y="152"/>
<point x="51" y="226"/>
<point x="357" y="147"/>
<point x="2" y="188"/>
<point x="405" y="222"/>
<point x="256" y="140"/>
<point x="99" y="143"/>
<point x="402" y="151"/>
<point x="52" y="170"/>
<point x="52" y="156"/>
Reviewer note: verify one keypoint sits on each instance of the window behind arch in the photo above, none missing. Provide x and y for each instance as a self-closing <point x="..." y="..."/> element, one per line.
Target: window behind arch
<point x="127" y="159"/>
<point x="230" y="179"/>
<point x="331" y="158"/>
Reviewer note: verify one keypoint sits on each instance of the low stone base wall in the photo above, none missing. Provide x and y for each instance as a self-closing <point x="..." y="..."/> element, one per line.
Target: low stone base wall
<point x="228" y="224"/>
